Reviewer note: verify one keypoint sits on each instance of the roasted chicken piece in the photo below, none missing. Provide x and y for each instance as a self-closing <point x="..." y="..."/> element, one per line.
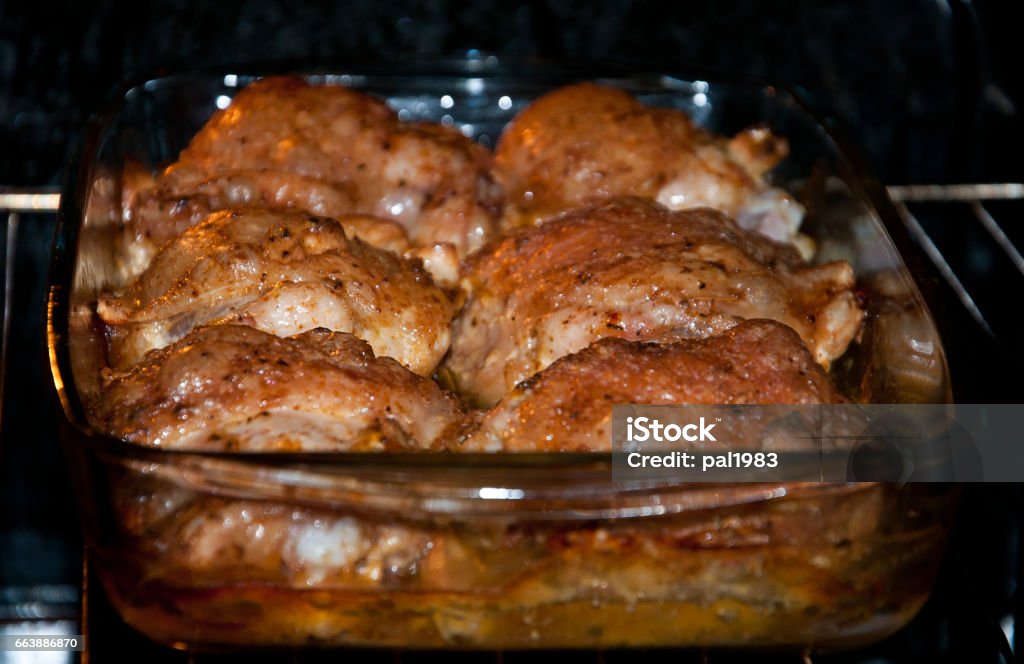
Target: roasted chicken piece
<point x="235" y="388"/>
<point x="325" y="149"/>
<point x="284" y="272"/>
<point x="586" y="142"/>
<point x="223" y="542"/>
<point x="568" y="406"/>
<point x="631" y="268"/>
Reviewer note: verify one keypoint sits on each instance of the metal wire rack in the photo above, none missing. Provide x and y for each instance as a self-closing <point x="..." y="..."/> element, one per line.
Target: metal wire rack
<point x="915" y="203"/>
<point x="926" y="208"/>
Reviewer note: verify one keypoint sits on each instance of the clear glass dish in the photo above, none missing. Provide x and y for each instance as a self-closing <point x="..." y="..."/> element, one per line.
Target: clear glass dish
<point x="497" y="551"/>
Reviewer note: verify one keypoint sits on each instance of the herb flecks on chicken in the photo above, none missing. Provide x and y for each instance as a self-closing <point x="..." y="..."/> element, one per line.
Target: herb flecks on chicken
<point x="232" y="388"/>
<point x="328" y="150"/>
<point x="631" y="268"/>
<point x="284" y="272"/>
<point x="568" y="406"/>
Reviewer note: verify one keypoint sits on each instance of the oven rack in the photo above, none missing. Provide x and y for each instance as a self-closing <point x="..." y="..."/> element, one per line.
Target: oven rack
<point x="973" y="233"/>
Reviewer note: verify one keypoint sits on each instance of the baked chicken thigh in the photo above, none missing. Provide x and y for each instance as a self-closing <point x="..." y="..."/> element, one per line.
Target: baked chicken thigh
<point x="235" y="388"/>
<point x="583" y="143"/>
<point x="631" y="268"/>
<point x="568" y="406"/>
<point x="328" y="150"/>
<point x="283" y="272"/>
<point x="241" y="541"/>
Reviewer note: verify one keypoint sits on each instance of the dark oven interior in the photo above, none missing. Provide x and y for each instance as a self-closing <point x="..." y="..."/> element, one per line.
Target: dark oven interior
<point x="927" y="90"/>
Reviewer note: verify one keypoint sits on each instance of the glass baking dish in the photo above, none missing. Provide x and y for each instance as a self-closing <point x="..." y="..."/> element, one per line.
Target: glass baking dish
<point x="496" y="551"/>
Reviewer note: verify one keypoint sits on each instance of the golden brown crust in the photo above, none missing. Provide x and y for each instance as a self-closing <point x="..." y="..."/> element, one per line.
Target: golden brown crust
<point x="567" y="407"/>
<point x="284" y="272"/>
<point x="328" y="150"/>
<point x="583" y="143"/>
<point x="233" y="388"/>
<point x="631" y="268"/>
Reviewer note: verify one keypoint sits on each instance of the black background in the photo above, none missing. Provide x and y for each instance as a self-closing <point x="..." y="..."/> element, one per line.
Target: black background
<point x="909" y="78"/>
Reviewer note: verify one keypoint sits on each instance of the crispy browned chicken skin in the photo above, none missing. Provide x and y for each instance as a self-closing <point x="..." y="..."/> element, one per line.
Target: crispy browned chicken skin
<point x="583" y="143"/>
<point x="568" y="406"/>
<point x="631" y="268"/>
<point x="325" y="149"/>
<point x="284" y="272"/>
<point x="235" y="388"/>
